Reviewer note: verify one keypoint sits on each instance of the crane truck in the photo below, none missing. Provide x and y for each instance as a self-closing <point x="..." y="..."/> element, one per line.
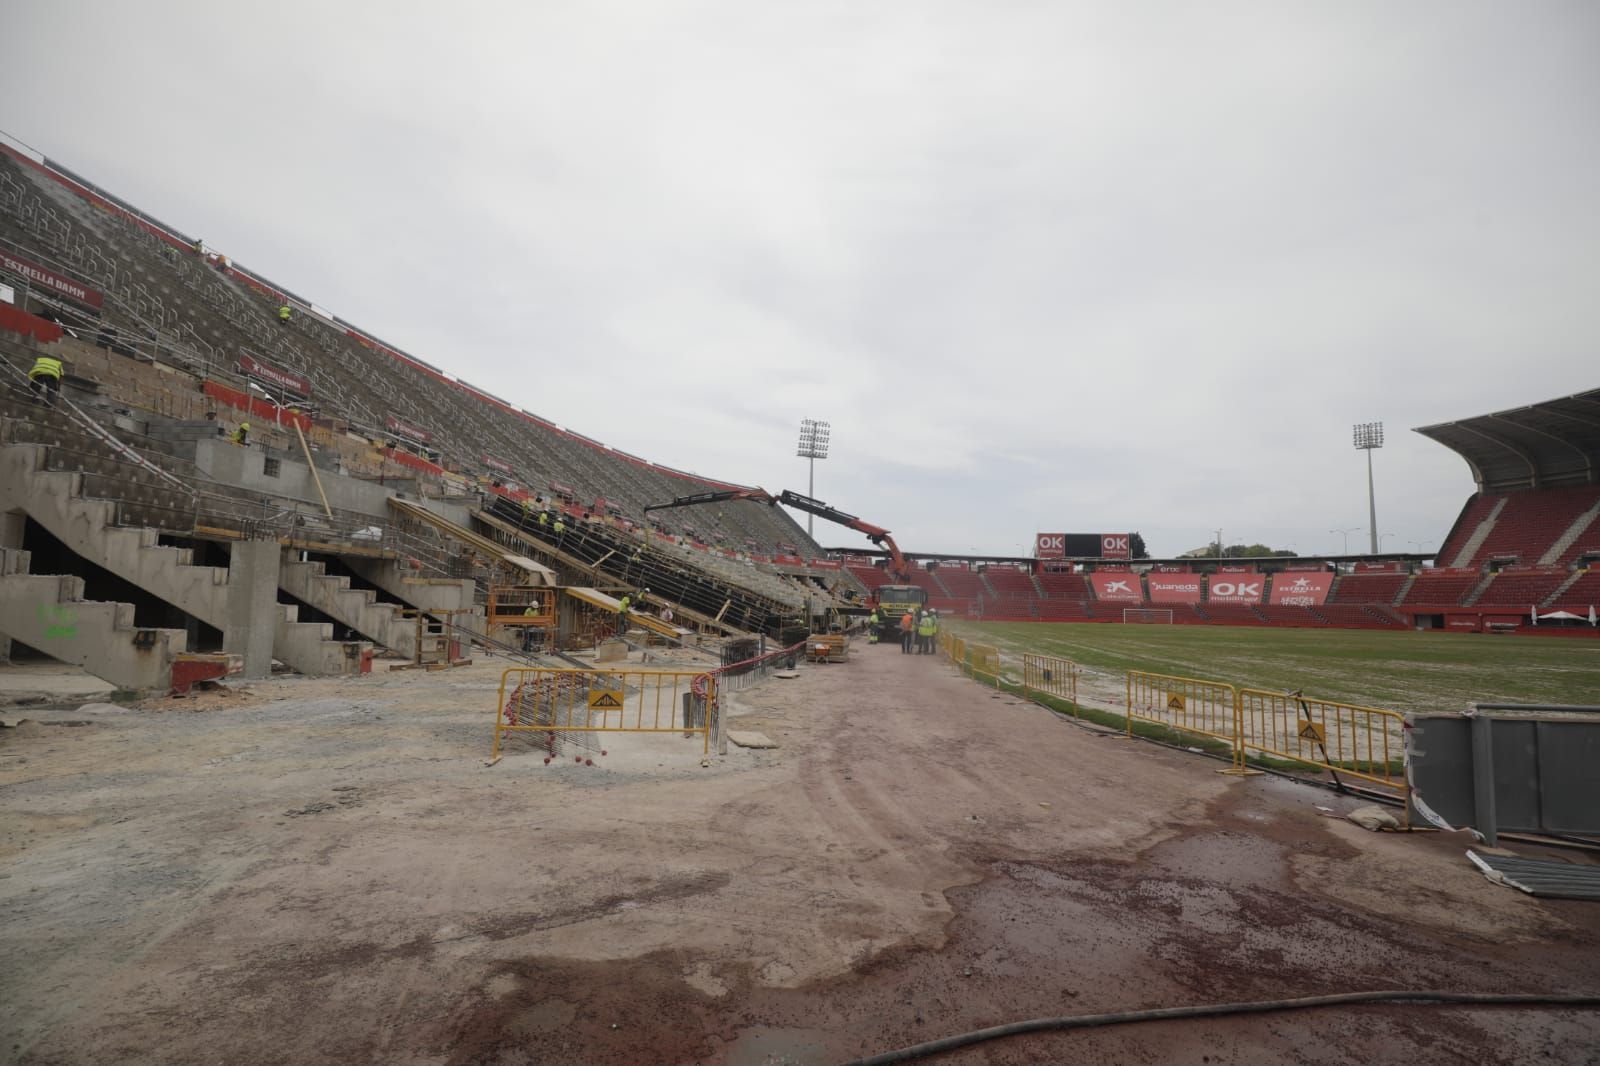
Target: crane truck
<point x="891" y="600"/>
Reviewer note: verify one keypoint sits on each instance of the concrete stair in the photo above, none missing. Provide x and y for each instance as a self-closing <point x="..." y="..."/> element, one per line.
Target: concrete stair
<point x="87" y="526"/>
<point x="1469" y="549"/>
<point x="47" y="612"/>
<point x="1561" y="590"/>
<point x="433" y="595"/>
<point x="1478" y="590"/>
<point x="1570" y="536"/>
<point x="309" y="647"/>
<point x="360" y="609"/>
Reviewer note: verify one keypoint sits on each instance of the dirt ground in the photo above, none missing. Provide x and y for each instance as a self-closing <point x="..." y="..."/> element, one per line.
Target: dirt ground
<point x="326" y="871"/>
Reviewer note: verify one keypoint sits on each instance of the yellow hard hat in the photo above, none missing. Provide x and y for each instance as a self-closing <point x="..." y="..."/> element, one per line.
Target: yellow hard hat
<point x="244" y="425"/>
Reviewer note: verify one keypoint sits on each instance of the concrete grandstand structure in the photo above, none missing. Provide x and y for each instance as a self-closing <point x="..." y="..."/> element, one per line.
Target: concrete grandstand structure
<point x="378" y="495"/>
<point x="375" y="498"/>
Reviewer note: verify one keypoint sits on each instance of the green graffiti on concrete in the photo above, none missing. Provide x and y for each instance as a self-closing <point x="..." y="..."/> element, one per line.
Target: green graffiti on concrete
<point x="60" y="623"/>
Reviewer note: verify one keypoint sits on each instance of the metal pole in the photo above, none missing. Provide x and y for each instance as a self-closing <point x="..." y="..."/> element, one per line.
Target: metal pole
<point x="811" y="490"/>
<point x="1372" y="506"/>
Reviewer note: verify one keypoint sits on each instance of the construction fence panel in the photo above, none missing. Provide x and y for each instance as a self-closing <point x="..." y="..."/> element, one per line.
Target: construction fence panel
<point x="984" y="660"/>
<point x="1051" y="676"/>
<point x="1187" y="704"/>
<point x="1363" y="742"/>
<point x="561" y="702"/>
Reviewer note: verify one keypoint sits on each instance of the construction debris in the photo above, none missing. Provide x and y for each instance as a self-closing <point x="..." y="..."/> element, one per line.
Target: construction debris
<point x="1540" y="877"/>
<point x="1374" y="818"/>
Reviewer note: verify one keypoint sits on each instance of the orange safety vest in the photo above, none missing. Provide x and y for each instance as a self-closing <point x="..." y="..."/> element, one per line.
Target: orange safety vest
<point x="907" y="623"/>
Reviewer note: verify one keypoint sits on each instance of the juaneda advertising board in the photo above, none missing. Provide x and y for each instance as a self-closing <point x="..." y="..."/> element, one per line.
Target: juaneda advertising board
<point x="1116" y="587"/>
<point x="1301" y="590"/>
<point x="1174" y="588"/>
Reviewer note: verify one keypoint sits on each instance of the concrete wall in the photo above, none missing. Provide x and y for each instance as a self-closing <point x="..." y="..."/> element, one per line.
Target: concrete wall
<point x="234" y="465"/>
<point x="13" y="560"/>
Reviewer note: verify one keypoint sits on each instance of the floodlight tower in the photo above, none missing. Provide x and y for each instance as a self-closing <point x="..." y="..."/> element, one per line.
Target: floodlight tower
<point x="1368" y="436"/>
<point x="813" y="446"/>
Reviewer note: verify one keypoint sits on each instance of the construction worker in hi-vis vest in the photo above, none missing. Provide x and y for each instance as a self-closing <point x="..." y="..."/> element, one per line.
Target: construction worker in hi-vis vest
<point x="45" y="379"/>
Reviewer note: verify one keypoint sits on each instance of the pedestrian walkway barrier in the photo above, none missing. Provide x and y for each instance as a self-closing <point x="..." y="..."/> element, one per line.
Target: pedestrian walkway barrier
<point x="550" y="704"/>
<point x="1186" y="704"/>
<point x="1343" y="738"/>
<point x="1051" y="676"/>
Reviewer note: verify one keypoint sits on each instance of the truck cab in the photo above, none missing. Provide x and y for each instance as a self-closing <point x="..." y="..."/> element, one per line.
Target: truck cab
<point x="894" y="601"/>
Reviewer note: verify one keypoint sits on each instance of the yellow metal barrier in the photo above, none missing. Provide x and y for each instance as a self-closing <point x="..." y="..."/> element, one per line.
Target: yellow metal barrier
<point x="1363" y="742"/>
<point x="1191" y="705"/>
<point x="984" y="660"/>
<point x="957" y="650"/>
<point x="1052" y="676"/>
<point x="538" y="700"/>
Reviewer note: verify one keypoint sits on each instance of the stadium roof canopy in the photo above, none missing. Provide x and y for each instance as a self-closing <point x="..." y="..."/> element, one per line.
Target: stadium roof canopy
<point x="1544" y="445"/>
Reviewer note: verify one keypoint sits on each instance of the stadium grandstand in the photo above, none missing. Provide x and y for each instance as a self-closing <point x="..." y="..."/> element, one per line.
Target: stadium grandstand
<point x="203" y="408"/>
<point x="1522" y="556"/>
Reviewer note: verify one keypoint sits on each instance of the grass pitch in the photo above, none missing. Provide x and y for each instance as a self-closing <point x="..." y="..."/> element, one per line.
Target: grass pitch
<point x="1403" y="671"/>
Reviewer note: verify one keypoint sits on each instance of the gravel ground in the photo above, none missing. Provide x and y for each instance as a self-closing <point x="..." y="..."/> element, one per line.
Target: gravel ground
<point x="326" y="871"/>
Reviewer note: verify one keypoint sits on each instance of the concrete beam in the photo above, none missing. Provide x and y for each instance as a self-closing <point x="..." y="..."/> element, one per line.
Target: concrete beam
<point x="252" y="612"/>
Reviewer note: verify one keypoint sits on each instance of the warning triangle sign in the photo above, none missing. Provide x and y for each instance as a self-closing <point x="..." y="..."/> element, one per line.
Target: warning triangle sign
<point x="1175" y="701"/>
<point x="601" y="699"/>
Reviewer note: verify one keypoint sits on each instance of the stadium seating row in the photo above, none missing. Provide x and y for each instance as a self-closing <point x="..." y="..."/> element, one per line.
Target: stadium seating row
<point x="201" y="314"/>
<point x="1363" y="599"/>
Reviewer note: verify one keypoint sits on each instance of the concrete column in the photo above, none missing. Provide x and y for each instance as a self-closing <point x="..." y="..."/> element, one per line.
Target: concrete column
<point x="12" y="526"/>
<point x="252" y="618"/>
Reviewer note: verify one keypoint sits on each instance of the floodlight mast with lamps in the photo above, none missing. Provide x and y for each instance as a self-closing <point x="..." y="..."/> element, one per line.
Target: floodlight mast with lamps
<point x="813" y="446"/>
<point x="1368" y="436"/>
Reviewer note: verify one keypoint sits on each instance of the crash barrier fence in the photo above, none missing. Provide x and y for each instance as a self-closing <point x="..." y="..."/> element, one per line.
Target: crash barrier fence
<point x="1344" y="739"/>
<point x="555" y="702"/>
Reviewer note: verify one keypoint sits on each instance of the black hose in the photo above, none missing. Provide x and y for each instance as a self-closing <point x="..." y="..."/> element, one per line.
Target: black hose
<point x="1217" y="1010"/>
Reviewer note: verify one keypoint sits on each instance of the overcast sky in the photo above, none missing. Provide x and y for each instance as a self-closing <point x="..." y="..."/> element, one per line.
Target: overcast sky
<point x="1044" y="266"/>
